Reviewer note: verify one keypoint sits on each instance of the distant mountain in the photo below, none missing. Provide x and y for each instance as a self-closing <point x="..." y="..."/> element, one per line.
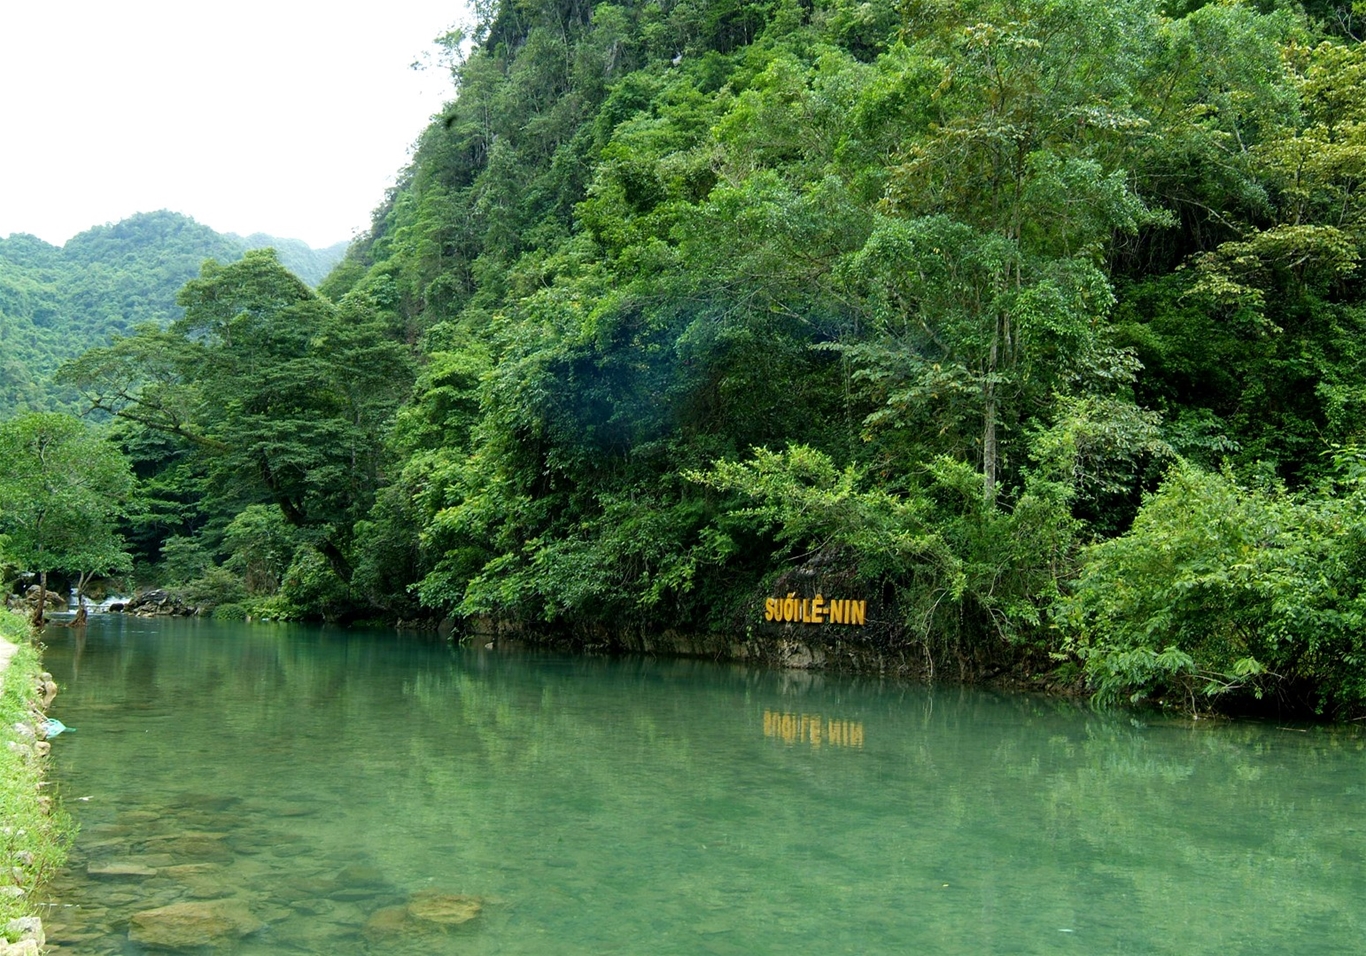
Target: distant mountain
<point x="311" y="265"/>
<point x="57" y="301"/>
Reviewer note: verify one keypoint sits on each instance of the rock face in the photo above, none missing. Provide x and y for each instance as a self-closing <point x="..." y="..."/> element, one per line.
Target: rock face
<point x="193" y="924"/>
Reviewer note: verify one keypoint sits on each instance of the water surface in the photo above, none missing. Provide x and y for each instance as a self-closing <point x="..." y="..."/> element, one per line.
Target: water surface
<point x="322" y="778"/>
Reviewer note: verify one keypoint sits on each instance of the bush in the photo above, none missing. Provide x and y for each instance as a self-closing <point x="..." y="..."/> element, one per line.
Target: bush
<point x="217" y="586"/>
<point x="1225" y="590"/>
<point x="310" y="590"/>
<point x="230" y="612"/>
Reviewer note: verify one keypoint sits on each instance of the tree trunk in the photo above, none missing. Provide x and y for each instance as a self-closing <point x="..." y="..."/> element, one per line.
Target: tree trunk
<point x="39" y="612"/>
<point x="336" y="560"/>
<point x="81" y="582"/>
<point x="990" y="454"/>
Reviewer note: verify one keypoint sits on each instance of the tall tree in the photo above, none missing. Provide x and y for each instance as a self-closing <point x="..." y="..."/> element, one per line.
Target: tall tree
<point x="61" y="489"/>
<point x="1004" y="201"/>
<point x="285" y="393"/>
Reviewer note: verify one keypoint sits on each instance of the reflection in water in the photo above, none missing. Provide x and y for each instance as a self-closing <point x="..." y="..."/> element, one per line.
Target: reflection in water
<point x="811" y="729"/>
<point x="345" y="793"/>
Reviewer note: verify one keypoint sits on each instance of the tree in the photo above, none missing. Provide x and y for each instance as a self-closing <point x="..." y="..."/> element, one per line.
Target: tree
<point x="988" y="271"/>
<point x="60" y="491"/>
<point x="283" y="393"/>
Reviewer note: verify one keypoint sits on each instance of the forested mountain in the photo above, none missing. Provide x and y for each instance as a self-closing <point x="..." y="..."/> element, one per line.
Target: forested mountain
<point x="311" y="265"/>
<point x="57" y="302"/>
<point x="1037" y="325"/>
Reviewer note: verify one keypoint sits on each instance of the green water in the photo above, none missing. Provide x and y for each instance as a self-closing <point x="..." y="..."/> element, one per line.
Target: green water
<point x="320" y="777"/>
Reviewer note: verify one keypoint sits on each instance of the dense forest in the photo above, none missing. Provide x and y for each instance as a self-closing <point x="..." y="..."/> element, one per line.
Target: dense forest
<point x="57" y="301"/>
<point x="1036" y="326"/>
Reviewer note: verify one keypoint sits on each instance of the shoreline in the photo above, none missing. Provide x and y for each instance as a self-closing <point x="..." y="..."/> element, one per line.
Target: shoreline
<point x="34" y="833"/>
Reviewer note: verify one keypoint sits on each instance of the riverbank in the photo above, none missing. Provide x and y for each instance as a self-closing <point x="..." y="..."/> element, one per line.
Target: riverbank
<point x="34" y="831"/>
<point x="880" y="650"/>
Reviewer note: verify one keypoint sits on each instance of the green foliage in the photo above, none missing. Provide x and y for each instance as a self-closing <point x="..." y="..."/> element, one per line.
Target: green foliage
<point x="311" y="589"/>
<point x="261" y="544"/>
<point x="923" y="296"/>
<point x="965" y="574"/>
<point x="284" y="394"/>
<point x="1104" y="451"/>
<point x="215" y="588"/>
<point x="57" y="302"/>
<point x="1227" y="589"/>
<point x="61" y="489"/>
<point x="183" y="560"/>
<point x="245" y="569"/>
<point x="982" y="270"/>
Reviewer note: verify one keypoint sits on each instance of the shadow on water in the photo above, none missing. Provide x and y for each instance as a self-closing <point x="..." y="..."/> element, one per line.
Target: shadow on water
<point x="322" y="791"/>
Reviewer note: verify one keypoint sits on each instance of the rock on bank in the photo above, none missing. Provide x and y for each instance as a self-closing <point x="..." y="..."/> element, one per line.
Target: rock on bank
<point x="33" y="833"/>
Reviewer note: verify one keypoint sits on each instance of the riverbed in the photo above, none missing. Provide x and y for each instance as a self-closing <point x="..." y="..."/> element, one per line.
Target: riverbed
<point x="320" y="784"/>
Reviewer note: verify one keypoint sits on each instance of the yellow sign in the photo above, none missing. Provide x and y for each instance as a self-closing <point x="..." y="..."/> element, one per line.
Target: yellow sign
<point x="812" y="729"/>
<point x="816" y="610"/>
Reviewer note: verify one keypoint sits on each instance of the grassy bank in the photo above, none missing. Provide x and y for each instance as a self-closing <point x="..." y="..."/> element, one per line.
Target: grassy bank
<point x="34" y="831"/>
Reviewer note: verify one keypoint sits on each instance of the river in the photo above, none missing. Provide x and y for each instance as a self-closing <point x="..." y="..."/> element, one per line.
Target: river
<point x="320" y="784"/>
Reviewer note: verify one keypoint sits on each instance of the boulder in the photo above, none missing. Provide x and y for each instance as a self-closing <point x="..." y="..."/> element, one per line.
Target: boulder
<point x="52" y="600"/>
<point x="193" y="924"/>
<point x="47" y="689"/>
<point x="158" y="602"/>
<point x="26" y="927"/>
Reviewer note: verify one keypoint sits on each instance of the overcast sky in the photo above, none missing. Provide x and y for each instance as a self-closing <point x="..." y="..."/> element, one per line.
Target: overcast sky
<point x="289" y="117"/>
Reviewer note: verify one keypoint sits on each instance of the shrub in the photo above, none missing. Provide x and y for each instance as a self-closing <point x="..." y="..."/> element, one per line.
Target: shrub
<point x="1227" y="590"/>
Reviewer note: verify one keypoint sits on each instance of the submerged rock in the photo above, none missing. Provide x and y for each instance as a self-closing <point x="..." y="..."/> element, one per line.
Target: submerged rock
<point x="359" y="882"/>
<point x="445" y="909"/>
<point x="183" y="870"/>
<point x="193" y="924"/>
<point x="361" y="875"/>
<point x="120" y="870"/>
<point x="427" y="916"/>
<point x="138" y="817"/>
<point x="384" y="925"/>
<point x="192" y="847"/>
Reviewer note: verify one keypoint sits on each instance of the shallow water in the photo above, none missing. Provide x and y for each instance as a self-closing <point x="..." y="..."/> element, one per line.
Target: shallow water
<point x="321" y="778"/>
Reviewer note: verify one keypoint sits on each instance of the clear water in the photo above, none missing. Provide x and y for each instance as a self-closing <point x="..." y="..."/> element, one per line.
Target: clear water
<point x="321" y="777"/>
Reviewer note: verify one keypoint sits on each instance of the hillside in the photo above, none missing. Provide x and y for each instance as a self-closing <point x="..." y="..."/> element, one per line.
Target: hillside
<point x="1027" y="333"/>
<point x="55" y="302"/>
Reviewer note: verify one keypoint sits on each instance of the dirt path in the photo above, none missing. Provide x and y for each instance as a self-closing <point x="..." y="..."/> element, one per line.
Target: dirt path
<point x="7" y="650"/>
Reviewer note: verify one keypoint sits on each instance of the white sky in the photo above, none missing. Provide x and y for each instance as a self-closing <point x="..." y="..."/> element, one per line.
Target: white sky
<point x="289" y="117"/>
